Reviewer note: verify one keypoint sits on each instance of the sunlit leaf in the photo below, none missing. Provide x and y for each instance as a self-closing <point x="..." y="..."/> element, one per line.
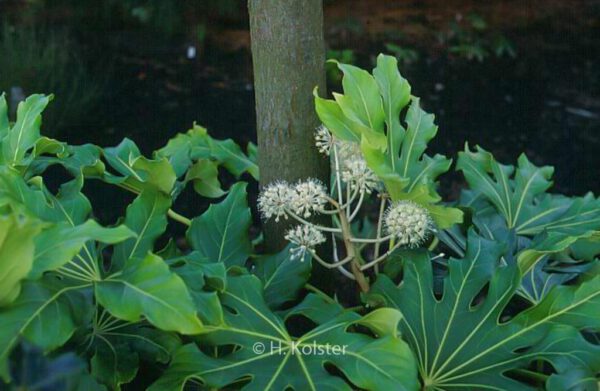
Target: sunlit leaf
<point x="23" y="135"/>
<point x="369" y="112"/>
<point x="17" y="233"/>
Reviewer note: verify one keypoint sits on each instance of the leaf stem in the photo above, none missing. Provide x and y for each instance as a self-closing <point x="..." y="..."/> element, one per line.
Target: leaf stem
<point x="179" y="218"/>
<point x="171" y="213"/>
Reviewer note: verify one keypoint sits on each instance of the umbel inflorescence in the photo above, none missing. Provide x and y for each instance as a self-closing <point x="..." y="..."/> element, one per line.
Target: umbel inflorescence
<point x="399" y="224"/>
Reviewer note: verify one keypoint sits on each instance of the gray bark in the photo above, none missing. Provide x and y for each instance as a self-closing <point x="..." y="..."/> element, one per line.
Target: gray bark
<point x="288" y="53"/>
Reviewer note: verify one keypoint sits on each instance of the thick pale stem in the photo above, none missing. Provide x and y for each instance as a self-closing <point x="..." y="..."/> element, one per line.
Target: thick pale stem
<point x="350" y="252"/>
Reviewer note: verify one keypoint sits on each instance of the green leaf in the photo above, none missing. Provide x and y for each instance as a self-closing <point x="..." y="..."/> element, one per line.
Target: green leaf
<point x="202" y="278"/>
<point x="48" y="146"/>
<point x="282" y="276"/>
<point x="40" y="315"/>
<point x="58" y="245"/>
<point x="79" y="160"/>
<point x="286" y="363"/>
<point x="395" y="92"/>
<point x="205" y="176"/>
<point x="137" y="172"/>
<point x="178" y="149"/>
<point x="114" y="364"/>
<point x="17" y="232"/>
<point x="221" y="233"/>
<point x="513" y="198"/>
<point x="395" y="153"/>
<point x="4" y="125"/>
<point x="230" y="155"/>
<point x="383" y="321"/>
<point x="318" y="308"/>
<point x="332" y="116"/>
<point x="146" y="287"/>
<point x="196" y="144"/>
<point x="147" y="218"/>
<point x="362" y="93"/>
<point x="462" y="342"/>
<point x="518" y="197"/>
<point x="26" y="131"/>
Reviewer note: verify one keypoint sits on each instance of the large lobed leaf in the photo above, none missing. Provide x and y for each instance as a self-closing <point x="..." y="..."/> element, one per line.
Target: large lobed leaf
<point x="146" y="287"/>
<point x="508" y="199"/>
<point x="184" y="149"/>
<point x="368" y="363"/>
<point x="146" y="216"/>
<point x="462" y="340"/>
<point x="283" y="277"/>
<point x="369" y="113"/>
<point x="519" y="195"/>
<point x="17" y="140"/>
<point x="221" y="233"/>
<point x="136" y="172"/>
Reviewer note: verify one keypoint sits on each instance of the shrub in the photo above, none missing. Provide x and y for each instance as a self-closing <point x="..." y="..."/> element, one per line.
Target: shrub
<point x="511" y="303"/>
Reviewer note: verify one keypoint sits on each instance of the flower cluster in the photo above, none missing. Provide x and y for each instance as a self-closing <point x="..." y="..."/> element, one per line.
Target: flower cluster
<point x="306" y="237"/>
<point x="406" y="223"/>
<point x="303" y="199"/>
<point x="409" y="222"/>
<point x="274" y="200"/>
<point x="352" y="165"/>
<point x="308" y="197"/>
<point x="356" y="173"/>
<point x="323" y="140"/>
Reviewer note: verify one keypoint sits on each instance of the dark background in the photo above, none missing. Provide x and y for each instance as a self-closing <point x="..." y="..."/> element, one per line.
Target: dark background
<point x="512" y="76"/>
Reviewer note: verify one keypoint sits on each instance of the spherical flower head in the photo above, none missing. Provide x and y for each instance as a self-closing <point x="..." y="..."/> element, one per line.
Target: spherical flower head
<point x="356" y="173"/>
<point x="275" y="199"/>
<point x="305" y="237"/>
<point x="323" y="140"/>
<point x="409" y="222"/>
<point x="308" y="197"/>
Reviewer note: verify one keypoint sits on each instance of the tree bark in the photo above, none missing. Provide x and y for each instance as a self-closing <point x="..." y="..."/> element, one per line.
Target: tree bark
<point x="288" y="54"/>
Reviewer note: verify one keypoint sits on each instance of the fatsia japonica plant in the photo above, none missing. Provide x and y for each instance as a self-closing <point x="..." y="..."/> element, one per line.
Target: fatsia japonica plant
<point x="498" y="289"/>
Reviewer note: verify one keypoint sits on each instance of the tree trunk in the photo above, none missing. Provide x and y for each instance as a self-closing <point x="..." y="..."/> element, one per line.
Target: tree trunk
<point x="288" y="53"/>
